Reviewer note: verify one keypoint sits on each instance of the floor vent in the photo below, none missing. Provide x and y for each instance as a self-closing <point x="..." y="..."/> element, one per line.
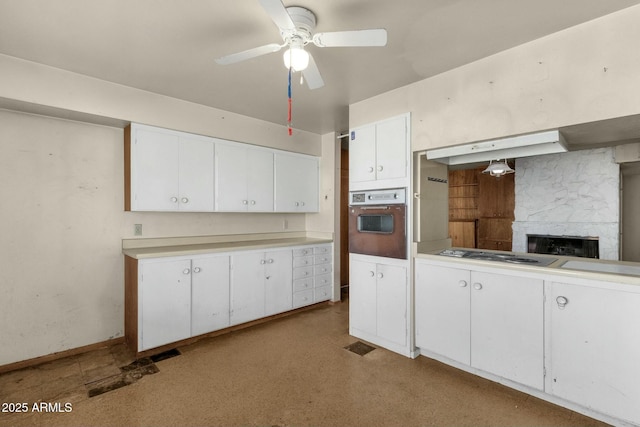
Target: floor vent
<point x="359" y="348"/>
<point x="166" y="355"/>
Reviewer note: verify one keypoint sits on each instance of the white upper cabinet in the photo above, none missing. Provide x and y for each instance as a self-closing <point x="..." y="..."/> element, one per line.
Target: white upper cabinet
<point x="244" y="179"/>
<point x="379" y="154"/>
<point x="168" y="171"/>
<point x="296" y="181"/>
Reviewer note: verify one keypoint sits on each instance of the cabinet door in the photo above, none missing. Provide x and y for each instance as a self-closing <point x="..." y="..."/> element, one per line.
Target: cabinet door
<point x="594" y="349"/>
<point x="196" y="174"/>
<point x="247" y="287"/>
<point x="259" y="180"/>
<point x="278" y="282"/>
<point x="443" y="308"/>
<point x="391" y="148"/>
<point x="165" y="302"/>
<point x="392" y="303"/>
<point x="296" y="181"/>
<point x="507" y="330"/>
<point x="154" y="170"/>
<point x="231" y="178"/>
<point x="362" y="155"/>
<point x="362" y="296"/>
<point x="209" y="294"/>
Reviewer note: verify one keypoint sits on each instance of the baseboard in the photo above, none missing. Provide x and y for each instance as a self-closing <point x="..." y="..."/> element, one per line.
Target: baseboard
<point x="59" y="355"/>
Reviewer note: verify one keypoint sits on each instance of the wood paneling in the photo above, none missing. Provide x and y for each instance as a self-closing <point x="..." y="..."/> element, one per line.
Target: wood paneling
<point x="463" y="233"/>
<point x="481" y="209"/>
<point x="344" y="217"/>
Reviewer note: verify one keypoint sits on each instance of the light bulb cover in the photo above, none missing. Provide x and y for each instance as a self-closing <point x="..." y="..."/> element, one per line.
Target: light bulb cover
<point x="296" y="58"/>
<point x="498" y="169"/>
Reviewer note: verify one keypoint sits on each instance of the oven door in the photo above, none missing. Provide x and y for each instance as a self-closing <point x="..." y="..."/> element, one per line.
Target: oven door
<point x="378" y="230"/>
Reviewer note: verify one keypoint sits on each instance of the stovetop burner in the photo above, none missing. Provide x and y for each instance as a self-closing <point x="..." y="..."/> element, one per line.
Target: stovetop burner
<point x="498" y="256"/>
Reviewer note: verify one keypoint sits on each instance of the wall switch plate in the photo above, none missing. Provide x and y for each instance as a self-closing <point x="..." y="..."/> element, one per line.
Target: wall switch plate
<point x="137" y="229"/>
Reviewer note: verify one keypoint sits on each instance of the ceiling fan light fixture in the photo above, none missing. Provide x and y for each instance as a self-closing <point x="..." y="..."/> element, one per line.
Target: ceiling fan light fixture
<point x="498" y="168"/>
<point x="296" y="58"/>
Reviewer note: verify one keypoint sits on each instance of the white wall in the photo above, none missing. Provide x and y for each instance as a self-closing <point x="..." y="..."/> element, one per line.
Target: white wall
<point x="572" y="194"/>
<point x="31" y="83"/>
<point x="583" y="74"/>
<point x="62" y="268"/>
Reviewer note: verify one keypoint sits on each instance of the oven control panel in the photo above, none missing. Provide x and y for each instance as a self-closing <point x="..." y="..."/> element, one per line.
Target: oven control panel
<point x="394" y="196"/>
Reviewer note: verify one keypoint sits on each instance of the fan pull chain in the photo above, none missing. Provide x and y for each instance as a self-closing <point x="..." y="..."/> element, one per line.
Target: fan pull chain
<point x="290" y="129"/>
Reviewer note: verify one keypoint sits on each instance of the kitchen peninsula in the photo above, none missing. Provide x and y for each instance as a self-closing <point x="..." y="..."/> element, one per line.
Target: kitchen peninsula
<point x="565" y="332"/>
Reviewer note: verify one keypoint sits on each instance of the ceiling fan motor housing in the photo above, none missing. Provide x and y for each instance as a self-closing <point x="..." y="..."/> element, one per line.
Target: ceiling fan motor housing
<point x="304" y="20"/>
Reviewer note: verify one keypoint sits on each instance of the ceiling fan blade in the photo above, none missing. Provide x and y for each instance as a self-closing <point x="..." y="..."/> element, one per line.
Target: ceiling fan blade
<point x="312" y="75"/>
<point x="377" y="37"/>
<point x="248" y="54"/>
<point x="278" y="13"/>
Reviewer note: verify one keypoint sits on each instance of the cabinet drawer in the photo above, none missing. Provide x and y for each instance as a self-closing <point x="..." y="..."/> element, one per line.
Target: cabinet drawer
<point x="323" y="280"/>
<point x="302" y="272"/>
<point x="302" y="261"/>
<point x="322" y="259"/>
<point x="322" y="294"/>
<point x="302" y="284"/>
<point x="303" y="251"/>
<point x="321" y="269"/>
<point x="322" y="250"/>
<point x="303" y="298"/>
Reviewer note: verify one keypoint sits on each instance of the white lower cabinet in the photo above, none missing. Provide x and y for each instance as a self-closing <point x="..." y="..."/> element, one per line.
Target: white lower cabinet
<point x="261" y="284"/>
<point x="594" y="348"/>
<point x="169" y="299"/>
<point x="312" y="275"/>
<point x="180" y="298"/>
<point x="209" y="294"/>
<point x="378" y="302"/>
<point x="491" y="322"/>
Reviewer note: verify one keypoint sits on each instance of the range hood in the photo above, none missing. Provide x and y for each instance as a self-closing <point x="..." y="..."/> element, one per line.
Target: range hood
<point x="533" y="144"/>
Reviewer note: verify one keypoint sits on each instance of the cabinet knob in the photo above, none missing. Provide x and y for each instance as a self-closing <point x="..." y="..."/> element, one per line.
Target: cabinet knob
<point x="174" y="200"/>
<point x="245" y="202"/>
<point x="262" y="261"/>
<point x="477" y="286"/>
<point x="185" y="200"/>
<point x="268" y="277"/>
<point x="371" y="273"/>
<point x="562" y="302"/>
<point x="297" y="204"/>
<point x="186" y="271"/>
<point x="380" y="276"/>
<point x="379" y="168"/>
<point x="370" y="169"/>
<point x="270" y="261"/>
<point x="301" y="203"/>
<point x="197" y="270"/>
<point x="462" y="283"/>
<point x="253" y="202"/>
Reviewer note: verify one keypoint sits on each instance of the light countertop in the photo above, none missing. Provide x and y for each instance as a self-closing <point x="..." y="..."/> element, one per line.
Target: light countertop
<point x="567" y="266"/>
<point x="187" y="249"/>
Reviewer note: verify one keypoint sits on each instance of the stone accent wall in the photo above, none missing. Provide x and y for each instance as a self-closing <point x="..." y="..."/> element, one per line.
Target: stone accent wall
<point x="574" y="194"/>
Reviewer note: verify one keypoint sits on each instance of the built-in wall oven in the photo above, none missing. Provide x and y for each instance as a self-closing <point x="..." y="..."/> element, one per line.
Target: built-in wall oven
<point x="378" y="223"/>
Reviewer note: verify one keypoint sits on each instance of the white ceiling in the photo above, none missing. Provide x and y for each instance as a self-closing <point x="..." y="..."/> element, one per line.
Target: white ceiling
<point x="169" y="46"/>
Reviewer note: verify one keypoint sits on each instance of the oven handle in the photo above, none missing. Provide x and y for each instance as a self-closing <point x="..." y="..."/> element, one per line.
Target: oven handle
<point x="364" y="208"/>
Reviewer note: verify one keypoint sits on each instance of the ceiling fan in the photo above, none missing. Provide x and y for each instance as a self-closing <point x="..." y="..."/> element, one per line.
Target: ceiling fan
<point x="296" y="26"/>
